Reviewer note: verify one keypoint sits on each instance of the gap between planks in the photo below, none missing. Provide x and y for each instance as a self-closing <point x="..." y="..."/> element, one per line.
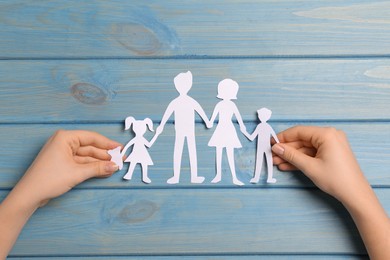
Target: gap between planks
<point x="207" y="57"/>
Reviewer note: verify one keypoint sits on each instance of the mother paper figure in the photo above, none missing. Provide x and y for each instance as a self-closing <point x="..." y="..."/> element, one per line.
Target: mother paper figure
<point x="225" y="135"/>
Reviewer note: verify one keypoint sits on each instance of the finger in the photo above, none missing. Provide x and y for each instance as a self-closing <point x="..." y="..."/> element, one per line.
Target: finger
<point x="287" y="167"/>
<point x="293" y="156"/>
<point x="94" y="152"/>
<point x="84" y="159"/>
<point x="306" y="150"/>
<point x="307" y="134"/>
<point x="299" y="144"/>
<point x="98" y="169"/>
<point x="276" y="160"/>
<point x="89" y="138"/>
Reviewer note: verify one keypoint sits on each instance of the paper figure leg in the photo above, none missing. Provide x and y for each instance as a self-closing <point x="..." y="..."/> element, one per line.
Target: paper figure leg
<point x="129" y="173"/>
<point x="218" y="165"/>
<point x="177" y="154"/>
<point x="145" y="177"/>
<point x="230" y="155"/>
<point x="268" y="157"/>
<point x="193" y="160"/>
<point x="259" y="165"/>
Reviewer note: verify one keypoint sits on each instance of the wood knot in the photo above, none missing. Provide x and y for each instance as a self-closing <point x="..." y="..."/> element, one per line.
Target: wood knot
<point x="144" y="34"/>
<point x="136" y="212"/>
<point x="88" y="94"/>
<point x="137" y="38"/>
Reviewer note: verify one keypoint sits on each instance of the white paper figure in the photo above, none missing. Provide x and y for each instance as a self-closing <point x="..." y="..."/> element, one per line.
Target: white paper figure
<point x="225" y="135"/>
<point x="116" y="157"/>
<point x="263" y="132"/>
<point x="139" y="153"/>
<point x="183" y="107"/>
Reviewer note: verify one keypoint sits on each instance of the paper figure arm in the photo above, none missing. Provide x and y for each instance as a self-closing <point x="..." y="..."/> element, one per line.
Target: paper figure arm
<point x="168" y="112"/>
<point x="201" y="112"/>
<point x="239" y="119"/>
<point x="127" y="147"/>
<point x="274" y="135"/>
<point x="213" y="116"/>
<point x="151" y="142"/>
<point x="252" y="136"/>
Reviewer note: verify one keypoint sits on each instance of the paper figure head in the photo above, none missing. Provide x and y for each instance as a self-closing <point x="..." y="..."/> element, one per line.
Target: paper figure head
<point x="139" y="126"/>
<point x="227" y="89"/>
<point x="183" y="82"/>
<point x="264" y="114"/>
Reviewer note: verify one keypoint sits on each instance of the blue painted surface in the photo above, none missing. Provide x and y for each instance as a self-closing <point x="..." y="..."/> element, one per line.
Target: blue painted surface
<point x="88" y="65"/>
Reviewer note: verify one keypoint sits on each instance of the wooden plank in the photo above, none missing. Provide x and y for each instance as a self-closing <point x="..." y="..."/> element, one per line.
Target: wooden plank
<point x="110" y="90"/>
<point x="218" y="28"/>
<point x="192" y="221"/>
<point x="20" y="144"/>
<point x="213" y="257"/>
<point x="87" y="75"/>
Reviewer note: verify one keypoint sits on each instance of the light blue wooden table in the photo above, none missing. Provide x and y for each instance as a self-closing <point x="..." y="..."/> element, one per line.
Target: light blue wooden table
<point x="89" y="64"/>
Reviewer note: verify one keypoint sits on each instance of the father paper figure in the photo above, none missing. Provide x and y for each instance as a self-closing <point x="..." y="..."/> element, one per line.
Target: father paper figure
<point x="183" y="107"/>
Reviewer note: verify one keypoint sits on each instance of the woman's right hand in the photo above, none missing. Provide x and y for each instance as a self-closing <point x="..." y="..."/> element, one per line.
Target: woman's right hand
<point x="324" y="155"/>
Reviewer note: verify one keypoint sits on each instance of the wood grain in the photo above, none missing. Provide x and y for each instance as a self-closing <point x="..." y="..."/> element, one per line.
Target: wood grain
<point x="372" y="151"/>
<point x="111" y="90"/>
<point x="213" y="257"/>
<point x="190" y="222"/>
<point x="89" y="64"/>
<point x="74" y="29"/>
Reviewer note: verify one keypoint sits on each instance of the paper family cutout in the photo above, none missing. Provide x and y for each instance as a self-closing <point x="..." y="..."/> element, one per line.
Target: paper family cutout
<point x="183" y="109"/>
<point x="225" y="135"/>
<point x="263" y="132"/>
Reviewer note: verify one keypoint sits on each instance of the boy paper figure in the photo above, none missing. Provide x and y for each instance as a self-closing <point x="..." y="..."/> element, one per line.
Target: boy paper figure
<point x="183" y="107"/>
<point x="225" y="135"/>
<point x="139" y="153"/>
<point x="263" y="132"/>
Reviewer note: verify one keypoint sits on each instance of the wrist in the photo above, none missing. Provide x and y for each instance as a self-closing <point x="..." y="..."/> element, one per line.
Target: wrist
<point x="362" y="202"/>
<point x="26" y="194"/>
<point x="354" y="192"/>
<point x="14" y="213"/>
<point x="372" y="222"/>
<point x="20" y="202"/>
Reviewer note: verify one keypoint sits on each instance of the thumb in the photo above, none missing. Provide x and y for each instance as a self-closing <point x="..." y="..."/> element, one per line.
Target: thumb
<point x="293" y="156"/>
<point x="98" y="169"/>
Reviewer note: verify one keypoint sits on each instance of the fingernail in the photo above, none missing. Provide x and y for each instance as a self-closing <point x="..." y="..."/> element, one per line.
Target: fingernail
<point x="111" y="167"/>
<point x="278" y="149"/>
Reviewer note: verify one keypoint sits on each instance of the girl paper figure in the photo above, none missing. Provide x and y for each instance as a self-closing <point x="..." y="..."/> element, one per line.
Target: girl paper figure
<point x="225" y="135"/>
<point x="139" y="153"/>
<point x="263" y="132"/>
